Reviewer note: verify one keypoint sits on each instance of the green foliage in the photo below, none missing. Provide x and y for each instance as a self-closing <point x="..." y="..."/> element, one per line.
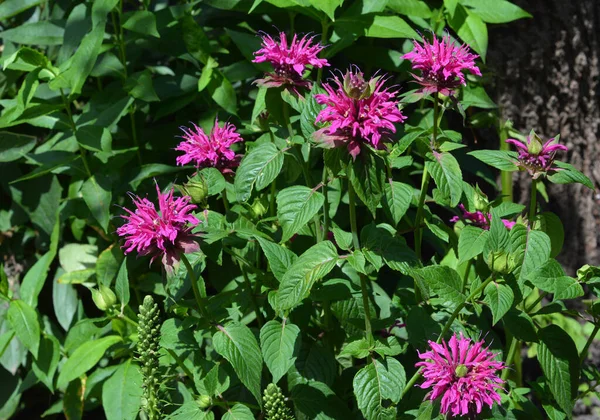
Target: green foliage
<point x="319" y="276"/>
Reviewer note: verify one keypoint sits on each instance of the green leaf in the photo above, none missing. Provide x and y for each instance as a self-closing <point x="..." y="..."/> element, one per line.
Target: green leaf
<point x="391" y="27"/>
<point x="44" y="33"/>
<point x="140" y="86"/>
<point x="64" y="301"/>
<point x="367" y="175"/>
<point x="40" y="198"/>
<point x="499" y="298"/>
<point x="107" y="265"/>
<point x="94" y="138"/>
<point x="315" y="400"/>
<point x="447" y="175"/>
<point x="310" y="111"/>
<point x="442" y="281"/>
<point x="559" y="360"/>
<point x="84" y="358"/>
<point x="10" y="8"/>
<point x="122" y="284"/>
<point x="280" y="258"/>
<point x="499" y="159"/>
<point x="411" y="8"/>
<point x="14" y="146"/>
<point x="221" y="91"/>
<point x="143" y="22"/>
<point x="476" y="96"/>
<point x="190" y="410"/>
<point x="535" y="253"/>
<point x="97" y="194"/>
<point x="73" y="400"/>
<point x="473" y="31"/>
<point x="377" y="382"/>
<point x="495" y="11"/>
<point x="567" y="174"/>
<point x="298" y="280"/>
<point x="327" y="6"/>
<point x="520" y="325"/>
<point x="296" y="206"/>
<point x="396" y="199"/>
<point x="550" y="277"/>
<point x="553" y="227"/>
<point x="122" y="393"/>
<point x="450" y="5"/>
<point x="236" y="343"/>
<point x="24" y="321"/>
<point x="47" y="362"/>
<point x="471" y="242"/>
<point x="260" y="166"/>
<point x="238" y="412"/>
<point x="278" y="342"/>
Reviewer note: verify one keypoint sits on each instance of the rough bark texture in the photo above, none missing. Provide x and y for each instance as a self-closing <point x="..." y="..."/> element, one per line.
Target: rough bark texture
<point x="547" y="79"/>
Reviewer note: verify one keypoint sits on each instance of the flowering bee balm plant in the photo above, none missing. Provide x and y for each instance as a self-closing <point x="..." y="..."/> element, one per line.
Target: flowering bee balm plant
<point x="271" y="226"/>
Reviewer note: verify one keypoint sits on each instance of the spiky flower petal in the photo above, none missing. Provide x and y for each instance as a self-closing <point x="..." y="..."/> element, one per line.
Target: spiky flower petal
<point x="358" y="110"/>
<point x="442" y="63"/>
<point x="164" y="233"/>
<point x="535" y="156"/>
<point x="479" y="219"/>
<point x="289" y="60"/>
<point x="463" y="374"/>
<point x="210" y="151"/>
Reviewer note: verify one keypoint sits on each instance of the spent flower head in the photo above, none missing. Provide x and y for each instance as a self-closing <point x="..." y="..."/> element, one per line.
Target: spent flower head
<point x="479" y="218"/>
<point x="535" y="156"/>
<point x="463" y="374"/>
<point x="165" y="233"/>
<point x="289" y="60"/>
<point x="442" y="63"/>
<point x="210" y="151"/>
<point x="358" y="111"/>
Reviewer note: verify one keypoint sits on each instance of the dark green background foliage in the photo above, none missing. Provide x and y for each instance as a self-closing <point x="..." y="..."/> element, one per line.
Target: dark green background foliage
<point x="93" y="95"/>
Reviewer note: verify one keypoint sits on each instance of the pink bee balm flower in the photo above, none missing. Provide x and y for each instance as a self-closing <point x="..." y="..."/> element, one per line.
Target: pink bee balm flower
<point x="288" y="61"/>
<point x="164" y="233"/>
<point x="479" y="219"/>
<point x="358" y="111"/>
<point x="441" y="64"/>
<point x="535" y="156"/>
<point x="214" y="151"/>
<point x="463" y="374"/>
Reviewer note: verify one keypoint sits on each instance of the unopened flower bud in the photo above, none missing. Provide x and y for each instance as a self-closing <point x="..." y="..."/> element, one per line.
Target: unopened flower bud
<point x="259" y="208"/>
<point x="481" y="200"/>
<point x="534" y="144"/>
<point x="501" y="262"/>
<point x="103" y="297"/>
<point x="196" y="188"/>
<point x="203" y="401"/>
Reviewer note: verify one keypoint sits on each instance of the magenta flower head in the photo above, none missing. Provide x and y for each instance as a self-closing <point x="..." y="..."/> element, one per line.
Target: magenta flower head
<point x="288" y="60"/>
<point x="441" y="64"/>
<point x="479" y="219"/>
<point x="164" y="233"/>
<point x="463" y="374"/>
<point x="358" y="110"/>
<point x="535" y="156"/>
<point x="210" y="151"/>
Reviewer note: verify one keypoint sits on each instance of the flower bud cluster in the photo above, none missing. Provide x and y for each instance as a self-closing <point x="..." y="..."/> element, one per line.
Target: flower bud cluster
<point x="147" y="348"/>
<point x="275" y="407"/>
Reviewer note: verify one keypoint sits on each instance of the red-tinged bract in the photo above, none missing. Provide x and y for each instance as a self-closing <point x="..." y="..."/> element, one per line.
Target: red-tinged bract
<point x="289" y="60"/>
<point x="165" y="233"/>
<point x="358" y="111"/>
<point x="210" y="151"/>
<point x="441" y="63"/>
<point x="463" y="374"/>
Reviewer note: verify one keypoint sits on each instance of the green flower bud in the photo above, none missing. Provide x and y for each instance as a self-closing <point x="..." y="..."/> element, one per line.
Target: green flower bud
<point x="534" y="143"/>
<point x="481" y="200"/>
<point x="196" y="188"/>
<point x="274" y="403"/>
<point x="259" y="208"/>
<point x="103" y="297"/>
<point x="461" y="371"/>
<point x="501" y="262"/>
<point x="204" y="401"/>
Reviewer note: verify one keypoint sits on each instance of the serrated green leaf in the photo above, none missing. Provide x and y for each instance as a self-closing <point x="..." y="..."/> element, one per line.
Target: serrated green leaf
<point x="390" y="27"/>
<point x="474" y="32"/>
<point x="471" y="242"/>
<point x="367" y="175"/>
<point x="567" y="174"/>
<point x="558" y="358"/>
<point x="443" y="281"/>
<point x="296" y="206"/>
<point x="122" y="284"/>
<point x="278" y="342"/>
<point x="238" y="412"/>
<point x="279" y="257"/>
<point x="84" y="358"/>
<point x="396" y="199"/>
<point x="499" y="298"/>
<point x="122" y="393"/>
<point x="97" y="194"/>
<point x="143" y="22"/>
<point x="553" y="227"/>
<point x="236" y="343"/>
<point x="496" y="11"/>
<point x="377" y="382"/>
<point x="108" y="263"/>
<point x="259" y="167"/>
<point x="536" y="251"/>
<point x="327" y="6"/>
<point x="313" y="265"/>
<point x="45" y="365"/>
<point x="24" y="321"/>
<point x="550" y="277"/>
<point x="447" y="175"/>
<point x="190" y="410"/>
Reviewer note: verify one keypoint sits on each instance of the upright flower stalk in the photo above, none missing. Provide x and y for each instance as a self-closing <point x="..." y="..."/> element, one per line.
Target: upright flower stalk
<point x="147" y="349"/>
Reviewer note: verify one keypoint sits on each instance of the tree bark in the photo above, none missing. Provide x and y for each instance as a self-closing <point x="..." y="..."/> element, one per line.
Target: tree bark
<point x="547" y="79"/>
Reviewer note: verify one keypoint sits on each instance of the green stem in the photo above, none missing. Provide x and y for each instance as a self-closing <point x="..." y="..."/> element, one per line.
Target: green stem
<point x="324" y="29"/>
<point x="466" y="277"/>
<point x="534" y="304"/>
<point x="363" y="279"/>
<point x="447" y="326"/>
<point x="325" y="204"/>
<point x="259" y="316"/>
<point x="272" y="210"/>
<point x="225" y="202"/>
<point x="74" y="129"/>
<point x="181" y="364"/>
<point x="134" y="135"/>
<point x="506" y="176"/>
<point x="510" y="356"/>
<point x="533" y="203"/>
<point x="199" y="292"/>
<point x="588" y="343"/>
